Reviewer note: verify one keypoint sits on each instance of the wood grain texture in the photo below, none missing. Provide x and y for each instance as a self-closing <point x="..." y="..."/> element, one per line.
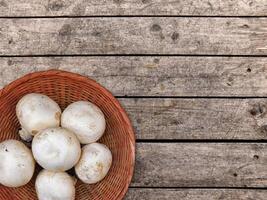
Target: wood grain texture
<point x="154" y="76"/>
<point x="194" y="194"/>
<point x="200" y="165"/>
<point x="171" y="118"/>
<point x="195" y="119"/>
<point x="59" y="36"/>
<point x="134" y="7"/>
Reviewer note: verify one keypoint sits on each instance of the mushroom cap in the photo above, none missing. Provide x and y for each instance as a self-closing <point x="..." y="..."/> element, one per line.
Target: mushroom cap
<point x="56" y="149"/>
<point x="54" y="185"/>
<point x="16" y="163"/>
<point x="94" y="164"/>
<point x="37" y="112"/>
<point x="85" y="119"/>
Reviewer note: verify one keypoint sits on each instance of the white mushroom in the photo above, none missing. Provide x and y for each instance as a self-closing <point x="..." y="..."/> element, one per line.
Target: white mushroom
<point x="85" y="119"/>
<point x="37" y="112"/>
<point x="54" y="186"/>
<point x="16" y="163"/>
<point x="94" y="163"/>
<point x="56" y="149"/>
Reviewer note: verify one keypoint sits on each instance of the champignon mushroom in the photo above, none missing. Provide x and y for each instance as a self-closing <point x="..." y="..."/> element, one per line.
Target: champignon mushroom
<point x="54" y="185"/>
<point x="37" y="112"/>
<point x="16" y="163"/>
<point x="85" y="119"/>
<point x="94" y="163"/>
<point x="56" y="149"/>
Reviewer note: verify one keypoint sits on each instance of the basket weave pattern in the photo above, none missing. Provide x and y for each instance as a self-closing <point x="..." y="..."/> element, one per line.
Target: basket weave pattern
<point x="65" y="88"/>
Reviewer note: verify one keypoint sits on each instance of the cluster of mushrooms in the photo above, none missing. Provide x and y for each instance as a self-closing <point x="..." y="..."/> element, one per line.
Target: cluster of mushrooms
<point x="56" y="149"/>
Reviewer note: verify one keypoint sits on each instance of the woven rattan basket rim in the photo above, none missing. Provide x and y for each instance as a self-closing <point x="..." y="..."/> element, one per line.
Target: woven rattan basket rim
<point x="79" y="78"/>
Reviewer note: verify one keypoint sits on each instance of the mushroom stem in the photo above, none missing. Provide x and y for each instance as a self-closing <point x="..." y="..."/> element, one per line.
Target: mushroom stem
<point x="25" y="135"/>
<point x="74" y="180"/>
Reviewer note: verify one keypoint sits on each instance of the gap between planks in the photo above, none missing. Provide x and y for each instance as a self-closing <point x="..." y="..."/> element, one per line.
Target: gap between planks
<point x="199" y="188"/>
<point x="132" y="55"/>
<point x="192" y="141"/>
<point x="130" y="16"/>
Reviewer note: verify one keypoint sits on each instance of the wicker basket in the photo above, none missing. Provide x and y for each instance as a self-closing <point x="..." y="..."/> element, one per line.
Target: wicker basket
<point x="65" y="88"/>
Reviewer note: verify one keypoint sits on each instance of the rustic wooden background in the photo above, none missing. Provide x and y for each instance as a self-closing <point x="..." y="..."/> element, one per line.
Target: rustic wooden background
<point x="191" y="74"/>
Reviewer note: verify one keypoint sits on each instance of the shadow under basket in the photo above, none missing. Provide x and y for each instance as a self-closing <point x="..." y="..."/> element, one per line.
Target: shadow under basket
<point x="65" y="88"/>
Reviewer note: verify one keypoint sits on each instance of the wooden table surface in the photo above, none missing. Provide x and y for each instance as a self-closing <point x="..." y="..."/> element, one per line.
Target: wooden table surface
<point x="192" y="76"/>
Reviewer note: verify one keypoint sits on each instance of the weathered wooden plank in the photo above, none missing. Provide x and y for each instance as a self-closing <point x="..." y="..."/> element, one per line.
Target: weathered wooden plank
<point x="195" y="194"/>
<point x="155" y="76"/>
<point x="200" y="165"/>
<point x="198" y="118"/>
<point x="229" y="36"/>
<point x="134" y="7"/>
<point x="168" y="118"/>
